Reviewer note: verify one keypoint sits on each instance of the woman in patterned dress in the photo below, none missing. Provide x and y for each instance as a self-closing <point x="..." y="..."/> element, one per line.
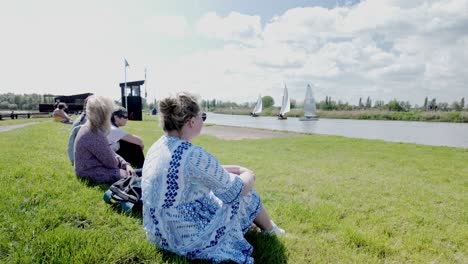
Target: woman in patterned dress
<point x="192" y="205"/>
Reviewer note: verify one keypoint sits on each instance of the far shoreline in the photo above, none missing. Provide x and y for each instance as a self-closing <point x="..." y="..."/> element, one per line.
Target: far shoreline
<point x="424" y="116"/>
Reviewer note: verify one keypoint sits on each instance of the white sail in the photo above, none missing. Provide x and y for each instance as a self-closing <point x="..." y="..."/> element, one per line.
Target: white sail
<point x="259" y="106"/>
<point x="310" y="109"/>
<point x="285" y="104"/>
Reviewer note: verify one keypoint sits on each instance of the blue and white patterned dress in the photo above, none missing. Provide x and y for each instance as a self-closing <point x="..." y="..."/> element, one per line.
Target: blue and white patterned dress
<point x="192" y="206"/>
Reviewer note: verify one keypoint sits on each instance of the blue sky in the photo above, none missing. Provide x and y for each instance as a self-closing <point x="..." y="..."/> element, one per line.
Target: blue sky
<point x="234" y="50"/>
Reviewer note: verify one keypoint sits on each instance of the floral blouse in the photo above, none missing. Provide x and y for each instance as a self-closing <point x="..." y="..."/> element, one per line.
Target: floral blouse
<point x="192" y="206"/>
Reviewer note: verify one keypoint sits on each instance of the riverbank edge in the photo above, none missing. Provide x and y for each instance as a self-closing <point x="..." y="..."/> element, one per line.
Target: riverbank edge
<point x="429" y="116"/>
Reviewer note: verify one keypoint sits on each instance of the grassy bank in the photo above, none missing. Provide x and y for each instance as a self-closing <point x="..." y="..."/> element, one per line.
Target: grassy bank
<point x="430" y="116"/>
<point x="392" y="115"/>
<point x="340" y="200"/>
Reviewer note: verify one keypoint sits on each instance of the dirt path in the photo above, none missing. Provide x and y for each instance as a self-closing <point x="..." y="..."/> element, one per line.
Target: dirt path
<point x="11" y="127"/>
<point x="221" y="132"/>
<point x="238" y="133"/>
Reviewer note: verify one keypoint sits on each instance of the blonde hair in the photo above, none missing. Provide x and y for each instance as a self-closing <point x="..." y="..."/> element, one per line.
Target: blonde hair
<point x="98" y="113"/>
<point x="174" y="112"/>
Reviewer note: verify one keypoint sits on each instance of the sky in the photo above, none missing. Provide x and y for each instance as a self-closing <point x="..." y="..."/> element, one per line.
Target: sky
<point x="234" y="50"/>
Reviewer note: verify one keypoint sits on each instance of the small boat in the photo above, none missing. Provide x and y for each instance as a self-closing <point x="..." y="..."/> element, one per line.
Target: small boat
<point x="310" y="110"/>
<point x="285" y="105"/>
<point x="258" y="107"/>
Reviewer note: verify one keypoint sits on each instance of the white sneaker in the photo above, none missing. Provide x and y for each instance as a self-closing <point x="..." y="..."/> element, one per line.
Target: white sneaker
<point x="275" y="230"/>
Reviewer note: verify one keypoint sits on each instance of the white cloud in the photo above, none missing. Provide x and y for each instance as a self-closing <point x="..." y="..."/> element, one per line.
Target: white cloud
<point x="234" y="27"/>
<point x="173" y="26"/>
<point x="304" y="25"/>
<point x="384" y="49"/>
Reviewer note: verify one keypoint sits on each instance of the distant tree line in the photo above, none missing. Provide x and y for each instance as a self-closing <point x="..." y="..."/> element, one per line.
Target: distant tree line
<point x="393" y="105"/>
<point x="328" y="105"/>
<point x="11" y="101"/>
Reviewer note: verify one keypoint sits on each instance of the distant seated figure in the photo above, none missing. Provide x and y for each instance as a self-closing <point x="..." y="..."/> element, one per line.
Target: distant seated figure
<point x="128" y="146"/>
<point x="154" y="111"/>
<point x="81" y="120"/>
<point x="95" y="161"/>
<point x="60" y="115"/>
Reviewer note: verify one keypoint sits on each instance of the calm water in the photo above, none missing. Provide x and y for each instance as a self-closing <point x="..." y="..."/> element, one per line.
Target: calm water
<point x="427" y="133"/>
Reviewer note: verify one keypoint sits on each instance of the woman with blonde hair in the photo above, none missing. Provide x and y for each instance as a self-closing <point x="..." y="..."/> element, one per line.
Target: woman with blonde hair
<point x="192" y="205"/>
<point x="94" y="159"/>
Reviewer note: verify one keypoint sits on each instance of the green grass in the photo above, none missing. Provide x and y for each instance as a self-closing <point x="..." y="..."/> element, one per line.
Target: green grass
<point x="429" y="116"/>
<point x="340" y="200"/>
<point x="7" y="122"/>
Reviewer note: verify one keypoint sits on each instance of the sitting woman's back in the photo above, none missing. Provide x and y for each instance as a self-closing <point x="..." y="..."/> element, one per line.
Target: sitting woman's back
<point x="94" y="159"/>
<point x="192" y="205"/>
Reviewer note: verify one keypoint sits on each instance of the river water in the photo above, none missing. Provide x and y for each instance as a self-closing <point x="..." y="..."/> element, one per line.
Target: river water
<point x="426" y="133"/>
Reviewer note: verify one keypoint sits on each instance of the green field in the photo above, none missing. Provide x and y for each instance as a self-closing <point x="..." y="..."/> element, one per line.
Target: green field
<point x="340" y="200"/>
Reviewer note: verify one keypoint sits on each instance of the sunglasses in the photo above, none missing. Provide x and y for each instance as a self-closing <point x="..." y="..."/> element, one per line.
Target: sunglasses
<point x="123" y="116"/>
<point x="203" y="117"/>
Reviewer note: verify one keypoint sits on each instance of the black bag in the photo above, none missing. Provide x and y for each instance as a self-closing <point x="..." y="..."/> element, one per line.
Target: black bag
<point x="126" y="193"/>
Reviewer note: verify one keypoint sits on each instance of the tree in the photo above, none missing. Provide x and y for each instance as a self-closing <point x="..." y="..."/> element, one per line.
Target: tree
<point x="462" y="103"/>
<point x="456" y="106"/>
<point x="406" y="106"/>
<point x="12" y="106"/>
<point x="379" y="103"/>
<point x="394" y="105"/>
<point x="360" y="103"/>
<point x="293" y="103"/>
<point x="432" y="105"/>
<point x="267" y="101"/>
<point x="442" y="106"/>
<point x="368" y="102"/>
<point x="425" y="103"/>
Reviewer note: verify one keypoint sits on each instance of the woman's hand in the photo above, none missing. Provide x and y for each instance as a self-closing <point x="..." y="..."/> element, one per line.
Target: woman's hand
<point x="130" y="171"/>
<point x="243" y="169"/>
<point x="248" y="177"/>
<point x="123" y="173"/>
<point x="234" y="169"/>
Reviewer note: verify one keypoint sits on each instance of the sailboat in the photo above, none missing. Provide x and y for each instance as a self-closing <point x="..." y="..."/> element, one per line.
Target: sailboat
<point x="258" y="107"/>
<point x="285" y="105"/>
<point x="310" y="111"/>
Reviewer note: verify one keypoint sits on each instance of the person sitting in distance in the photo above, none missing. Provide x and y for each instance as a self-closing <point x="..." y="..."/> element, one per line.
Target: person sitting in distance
<point x="60" y="115"/>
<point x="95" y="161"/>
<point x="82" y="117"/>
<point x="192" y="205"/>
<point x="81" y="120"/>
<point x="128" y="146"/>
